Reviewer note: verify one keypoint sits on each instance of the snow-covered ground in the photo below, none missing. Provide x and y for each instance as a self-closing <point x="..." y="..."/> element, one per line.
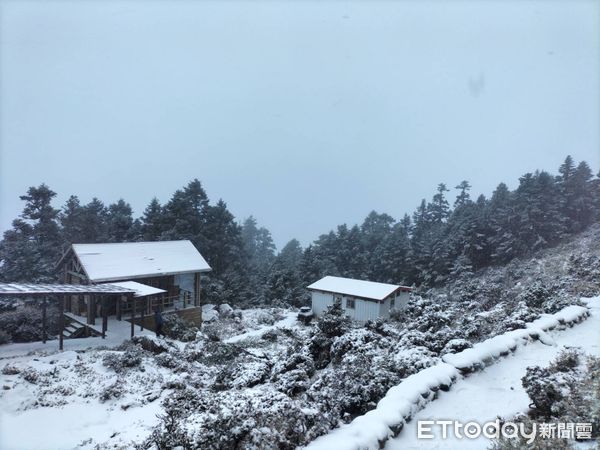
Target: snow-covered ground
<point x="497" y="390"/>
<point x="64" y="405"/>
<point x="117" y="332"/>
<point x="290" y="319"/>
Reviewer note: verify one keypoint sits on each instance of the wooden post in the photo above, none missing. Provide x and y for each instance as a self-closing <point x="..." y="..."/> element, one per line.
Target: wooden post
<point x="142" y="316"/>
<point x="94" y="308"/>
<point x="61" y="321"/>
<point x="132" y="315"/>
<point x="197" y="289"/>
<point x="88" y="301"/>
<point x="118" y="306"/>
<point x="44" y="320"/>
<point x="104" y="317"/>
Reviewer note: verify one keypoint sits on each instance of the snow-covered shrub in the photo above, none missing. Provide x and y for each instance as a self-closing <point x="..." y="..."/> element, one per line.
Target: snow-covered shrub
<point x="406" y="362"/>
<point x="535" y="295"/>
<point x="261" y="419"/>
<point x="24" y="324"/>
<point x="549" y="387"/>
<point x="566" y="361"/>
<point x="580" y="405"/>
<point x="519" y="317"/>
<point x="355" y="386"/>
<point x="173" y="361"/>
<point x="356" y="341"/>
<point x="558" y="302"/>
<point x="455" y="346"/>
<point x="319" y="347"/>
<point x="242" y="374"/>
<point x="120" y="361"/>
<point x="31" y="375"/>
<point x="151" y="344"/>
<point x="214" y="353"/>
<point x="114" y="391"/>
<point x="177" y="328"/>
<point x="334" y="322"/>
<point x="10" y="370"/>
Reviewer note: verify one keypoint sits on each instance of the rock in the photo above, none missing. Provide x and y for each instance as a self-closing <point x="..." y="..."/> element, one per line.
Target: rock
<point x="151" y="344"/>
<point x="225" y="310"/>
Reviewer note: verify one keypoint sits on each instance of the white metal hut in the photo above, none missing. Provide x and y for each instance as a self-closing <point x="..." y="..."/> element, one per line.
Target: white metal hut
<point x="361" y="300"/>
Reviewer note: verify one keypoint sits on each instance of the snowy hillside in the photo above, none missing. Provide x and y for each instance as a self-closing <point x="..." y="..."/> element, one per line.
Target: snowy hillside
<point x="259" y="379"/>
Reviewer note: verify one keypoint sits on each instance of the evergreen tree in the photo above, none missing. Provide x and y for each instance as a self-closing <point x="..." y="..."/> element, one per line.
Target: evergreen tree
<point x="285" y="282"/>
<point x="463" y="197"/>
<point x="391" y="260"/>
<point x="30" y="251"/>
<point x="72" y="221"/>
<point x="94" y="222"/>
<point x="439" y="209"/>
<point x="258" y="245"/>
<point x="184" y="214"/>
<point x="503" y="225"/>
<point x="582" y="211"/>
<point x="260" y="250"/>
<point x="119" y="222"/>
<point x="221" y="240"/>
<point x="153" y="221"/>
<point x="537" y="206"/>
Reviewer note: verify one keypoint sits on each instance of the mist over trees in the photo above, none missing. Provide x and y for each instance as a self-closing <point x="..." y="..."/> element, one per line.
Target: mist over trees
<point x="447" y="236"/>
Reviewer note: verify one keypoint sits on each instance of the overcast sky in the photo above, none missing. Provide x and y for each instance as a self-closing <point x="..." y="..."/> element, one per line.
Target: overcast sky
<point x="305" y="114"/>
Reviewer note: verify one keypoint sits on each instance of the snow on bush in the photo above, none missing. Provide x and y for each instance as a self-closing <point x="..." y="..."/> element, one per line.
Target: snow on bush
<point x="400" y="403"/>
<point x="485" y="352"/>
<point x="386" y="420"/>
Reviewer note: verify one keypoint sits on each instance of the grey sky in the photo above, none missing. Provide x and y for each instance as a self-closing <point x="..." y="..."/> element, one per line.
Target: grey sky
<point x="305" y="114"/>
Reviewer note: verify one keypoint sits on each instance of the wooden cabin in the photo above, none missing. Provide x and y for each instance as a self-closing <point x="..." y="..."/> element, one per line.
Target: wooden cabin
<point x="361" y="300"/>
<point x="163" y="274"/>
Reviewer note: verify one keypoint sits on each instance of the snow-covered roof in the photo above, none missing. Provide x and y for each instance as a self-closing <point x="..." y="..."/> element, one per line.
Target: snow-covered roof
<point x="124" y="261"/>
<point x="140" y="289"/>
<point x="48" y="289"/>
<point x="357" y="288"/>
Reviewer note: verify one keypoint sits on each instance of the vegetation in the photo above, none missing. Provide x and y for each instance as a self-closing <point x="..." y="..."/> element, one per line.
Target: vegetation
<point x="438" y="242"/>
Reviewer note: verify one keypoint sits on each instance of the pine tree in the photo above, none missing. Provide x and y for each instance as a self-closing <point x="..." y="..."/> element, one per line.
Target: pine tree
<point x="391" y="260"/>
<point x="221" y="239"/>
<point x="285" y="282"/>
<point x="439" y="209"/>
<point x="184" y="214"/>
<point x="94" y="222"/>
<point x="463" y="197"/>
<point x="119" y="222"/>
<point x="72" y="221"/>
<point x="30" y="251"/>
<point x="503" y="224"/>
<point x="583" y="204"/>
<point x="260" y="250"/>
<point x="153" y="221"/>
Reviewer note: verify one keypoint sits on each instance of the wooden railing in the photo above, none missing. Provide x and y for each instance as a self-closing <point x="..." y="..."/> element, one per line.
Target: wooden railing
<point x="165" y="302"/>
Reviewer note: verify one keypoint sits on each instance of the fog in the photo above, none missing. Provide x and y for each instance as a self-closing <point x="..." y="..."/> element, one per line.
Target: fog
<point x="304" y="114"/>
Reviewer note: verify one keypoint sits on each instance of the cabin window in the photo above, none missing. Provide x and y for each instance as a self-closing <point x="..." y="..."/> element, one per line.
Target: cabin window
<point x="392" y="302"/>
<point x="337" y="300"/>
<point x="350" y="303"/>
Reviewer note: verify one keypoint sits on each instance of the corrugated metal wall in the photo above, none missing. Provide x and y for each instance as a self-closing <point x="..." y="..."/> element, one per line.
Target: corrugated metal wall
<point x="320" y="302"/>
<point x="363" y="309"/>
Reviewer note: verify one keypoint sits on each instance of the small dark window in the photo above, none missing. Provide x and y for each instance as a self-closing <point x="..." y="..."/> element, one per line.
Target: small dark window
<point x="350" y="303"/>
<point x="392" y="302"/>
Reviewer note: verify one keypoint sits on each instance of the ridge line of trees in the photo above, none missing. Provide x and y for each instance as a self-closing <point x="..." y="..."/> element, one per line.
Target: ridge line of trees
<point x="436" y="242"/>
